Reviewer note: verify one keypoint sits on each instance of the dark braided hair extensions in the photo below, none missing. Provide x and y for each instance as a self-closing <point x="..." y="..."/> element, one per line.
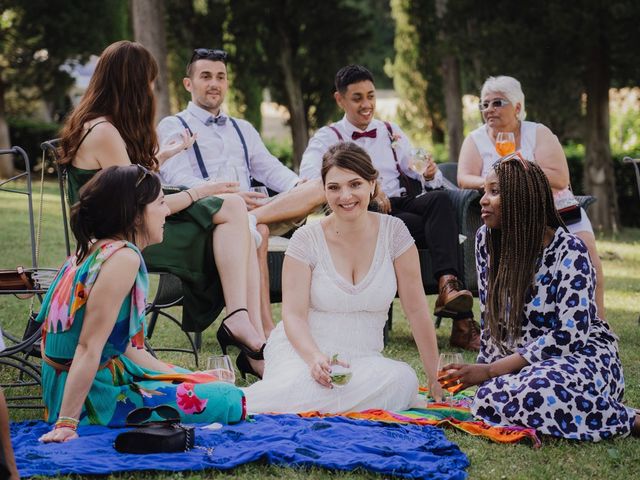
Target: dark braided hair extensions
<point x="527" y="209"/>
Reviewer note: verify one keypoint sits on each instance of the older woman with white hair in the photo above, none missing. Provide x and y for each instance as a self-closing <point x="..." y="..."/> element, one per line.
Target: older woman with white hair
<point x="503" y="110"/>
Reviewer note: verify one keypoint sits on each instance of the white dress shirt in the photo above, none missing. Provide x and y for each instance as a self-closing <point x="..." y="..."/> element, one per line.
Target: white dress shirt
<point x="220" y="145"/>
<point x="379" y="149"/>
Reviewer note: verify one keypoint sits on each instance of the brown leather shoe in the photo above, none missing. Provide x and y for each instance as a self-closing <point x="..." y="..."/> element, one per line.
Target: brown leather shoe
<point x="452" y="298"/>
<point x="465" y="333"/>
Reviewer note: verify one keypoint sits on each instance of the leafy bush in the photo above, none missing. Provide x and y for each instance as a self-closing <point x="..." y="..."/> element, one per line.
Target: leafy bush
<point x="626" y="186"/>
<point x="281" y="149"/>
<point x="29" y="134"/>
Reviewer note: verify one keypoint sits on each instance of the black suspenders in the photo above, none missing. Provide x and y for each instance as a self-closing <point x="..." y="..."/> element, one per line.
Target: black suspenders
<point x="199" y="159"/>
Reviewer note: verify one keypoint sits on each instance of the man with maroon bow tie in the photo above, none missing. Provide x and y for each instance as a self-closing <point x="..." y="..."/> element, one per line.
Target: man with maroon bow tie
<point x="429" y="216"/>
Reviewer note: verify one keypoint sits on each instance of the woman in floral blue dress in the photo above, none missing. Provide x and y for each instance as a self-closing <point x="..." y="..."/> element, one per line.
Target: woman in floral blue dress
<point x="95" y="369"/>
<point x="546" y="360"/>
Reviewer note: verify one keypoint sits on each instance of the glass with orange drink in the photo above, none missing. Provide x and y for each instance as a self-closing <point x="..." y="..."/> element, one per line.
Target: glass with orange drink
<point x="505" y="143"/>
<point x="451" y="386"/>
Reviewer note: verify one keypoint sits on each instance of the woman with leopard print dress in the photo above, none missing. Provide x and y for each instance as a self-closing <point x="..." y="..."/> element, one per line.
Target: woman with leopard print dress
<point x="546" y="360"/>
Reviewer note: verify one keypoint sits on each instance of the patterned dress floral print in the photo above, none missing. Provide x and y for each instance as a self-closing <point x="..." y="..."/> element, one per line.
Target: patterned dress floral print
<point x="120" y="385"/>
<point x="573" y="385"/>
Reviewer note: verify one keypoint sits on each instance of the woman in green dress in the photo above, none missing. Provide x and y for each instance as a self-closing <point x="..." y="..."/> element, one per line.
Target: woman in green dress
<point x="207" y="241"/>
<point x="95" y="368"/>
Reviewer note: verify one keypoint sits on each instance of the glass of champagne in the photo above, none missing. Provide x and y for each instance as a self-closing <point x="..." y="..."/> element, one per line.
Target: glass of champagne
<point x="451" y="386"/>
<point x="226" y="173"/>
<point x="418" y="163"/>
<point x="221" y="367"/>
<point x="262" y="190"/>
<point x="505" y="143"/>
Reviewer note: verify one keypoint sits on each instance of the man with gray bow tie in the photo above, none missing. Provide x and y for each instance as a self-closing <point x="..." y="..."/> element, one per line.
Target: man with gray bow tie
<point x="226" y="147"/>
<point x="221" y="141"/>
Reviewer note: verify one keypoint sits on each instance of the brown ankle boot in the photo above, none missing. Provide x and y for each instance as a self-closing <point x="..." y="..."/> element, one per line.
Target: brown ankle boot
<point x="452" y="298"/>
<point x="465" y="333"/>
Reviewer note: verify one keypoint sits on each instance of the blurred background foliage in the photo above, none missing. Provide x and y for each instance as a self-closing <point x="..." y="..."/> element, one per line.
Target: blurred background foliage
<point x="288" y="52"/>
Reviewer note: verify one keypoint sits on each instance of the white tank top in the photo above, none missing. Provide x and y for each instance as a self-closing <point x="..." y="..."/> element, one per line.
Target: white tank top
<point x="488" y="150"/>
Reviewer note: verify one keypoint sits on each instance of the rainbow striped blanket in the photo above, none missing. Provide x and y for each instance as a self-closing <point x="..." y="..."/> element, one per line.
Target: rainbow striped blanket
<point x="458" y="415"/>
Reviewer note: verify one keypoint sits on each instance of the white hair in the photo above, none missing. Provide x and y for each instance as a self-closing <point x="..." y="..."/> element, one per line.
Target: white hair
<point x="508" y="86"/>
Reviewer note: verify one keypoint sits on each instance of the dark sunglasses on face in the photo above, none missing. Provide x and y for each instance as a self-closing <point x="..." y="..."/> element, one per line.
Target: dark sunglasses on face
<point x="209" y="54"/>
<point x="142" y="174"/>
<point x="141" y="415"/>
<point x="497" y="103"/>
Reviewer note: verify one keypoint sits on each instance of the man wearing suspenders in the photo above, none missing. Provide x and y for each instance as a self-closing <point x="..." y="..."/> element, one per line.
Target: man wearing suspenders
<point x="224" y="142"/>
<point x="429" y="216"/>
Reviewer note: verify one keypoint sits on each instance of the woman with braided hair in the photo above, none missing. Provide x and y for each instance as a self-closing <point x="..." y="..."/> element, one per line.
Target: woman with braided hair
<point x="547" y="361"/>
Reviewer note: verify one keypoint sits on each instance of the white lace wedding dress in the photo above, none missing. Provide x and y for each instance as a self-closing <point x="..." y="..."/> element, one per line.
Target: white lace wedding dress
<point x="343" y="318"/>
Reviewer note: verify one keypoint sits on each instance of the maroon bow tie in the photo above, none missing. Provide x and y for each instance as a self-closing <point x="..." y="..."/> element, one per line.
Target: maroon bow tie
<point x="369" y="133"/>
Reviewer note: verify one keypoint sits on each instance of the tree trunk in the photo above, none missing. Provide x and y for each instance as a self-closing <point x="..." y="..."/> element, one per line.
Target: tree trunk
<point x="451" y="85"/>
<point x="453" y="105"/>
<point x="6" y="161"/>
<point x="148" y="29"/>
<point x="297" y="112"/>
<point x="599" y="178"/>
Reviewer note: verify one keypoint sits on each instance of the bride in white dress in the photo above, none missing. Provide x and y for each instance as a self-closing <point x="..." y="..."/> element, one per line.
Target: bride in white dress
<point x="339" y="277"/>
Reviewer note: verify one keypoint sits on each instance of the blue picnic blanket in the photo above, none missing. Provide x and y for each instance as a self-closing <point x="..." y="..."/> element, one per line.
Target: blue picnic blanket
<point x="338" y="443"/>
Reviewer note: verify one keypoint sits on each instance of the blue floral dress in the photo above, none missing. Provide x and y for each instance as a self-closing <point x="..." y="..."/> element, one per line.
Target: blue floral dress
<point x="120" y="385"/>
<point x="573" y="386"/>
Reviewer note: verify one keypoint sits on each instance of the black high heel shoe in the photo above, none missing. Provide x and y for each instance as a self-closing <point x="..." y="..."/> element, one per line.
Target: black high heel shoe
<point x="244" y="366"/>
<point x="226" y="338"/>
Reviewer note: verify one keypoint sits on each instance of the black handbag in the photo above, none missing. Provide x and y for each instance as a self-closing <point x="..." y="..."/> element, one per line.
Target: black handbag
<point x="567" y="206"/>
<point x="165" y="436"/>
<point x="156" y="438"/>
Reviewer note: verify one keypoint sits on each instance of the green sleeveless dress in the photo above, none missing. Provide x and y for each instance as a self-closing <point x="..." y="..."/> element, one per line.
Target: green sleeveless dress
<point x="186" y="252"/>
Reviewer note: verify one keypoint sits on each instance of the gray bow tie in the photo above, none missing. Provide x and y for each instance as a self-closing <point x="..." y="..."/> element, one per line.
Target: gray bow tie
<point x="219" y="120"/>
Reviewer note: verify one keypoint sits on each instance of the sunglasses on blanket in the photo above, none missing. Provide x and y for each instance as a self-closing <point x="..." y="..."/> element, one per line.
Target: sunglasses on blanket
<point x="139" y="416"/>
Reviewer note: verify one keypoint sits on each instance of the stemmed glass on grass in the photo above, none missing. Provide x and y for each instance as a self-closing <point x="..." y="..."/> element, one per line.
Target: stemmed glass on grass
<point x="221" y="367"/>
<point x="505" y="143"/>
<point x="452" y="386"/>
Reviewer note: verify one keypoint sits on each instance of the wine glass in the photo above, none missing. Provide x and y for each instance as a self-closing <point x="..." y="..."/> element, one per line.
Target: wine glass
<point x="418" y="163"/>
<point x="221" y="367"/>
<point x="451" y="387"/>
<point x="340" y="375"/>
<point x="262" y="190"/>
<point x="505" y="143"/>
<point x="226" y="173"/>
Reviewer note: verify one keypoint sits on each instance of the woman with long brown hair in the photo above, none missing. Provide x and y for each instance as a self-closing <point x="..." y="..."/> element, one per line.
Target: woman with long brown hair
<point x="113" y="125"/>
<point x="547" y="361"/>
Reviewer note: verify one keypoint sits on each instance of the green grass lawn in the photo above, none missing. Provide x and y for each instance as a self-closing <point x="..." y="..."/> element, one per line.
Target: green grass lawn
<point x="555" y="460"/>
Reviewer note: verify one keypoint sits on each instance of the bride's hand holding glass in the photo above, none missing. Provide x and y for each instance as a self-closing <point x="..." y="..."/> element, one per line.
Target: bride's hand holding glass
<point x="320" y="369"/>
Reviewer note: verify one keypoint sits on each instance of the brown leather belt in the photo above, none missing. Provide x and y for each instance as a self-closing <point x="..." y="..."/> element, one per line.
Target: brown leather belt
<point x="64" y="367"/>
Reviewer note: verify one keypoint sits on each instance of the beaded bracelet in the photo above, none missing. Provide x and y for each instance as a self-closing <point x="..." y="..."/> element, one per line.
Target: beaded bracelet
<point x="66" y="422"/>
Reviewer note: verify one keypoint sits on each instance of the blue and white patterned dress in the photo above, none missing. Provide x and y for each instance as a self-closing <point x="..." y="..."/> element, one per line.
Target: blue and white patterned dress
<point x="573" y="385"/>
